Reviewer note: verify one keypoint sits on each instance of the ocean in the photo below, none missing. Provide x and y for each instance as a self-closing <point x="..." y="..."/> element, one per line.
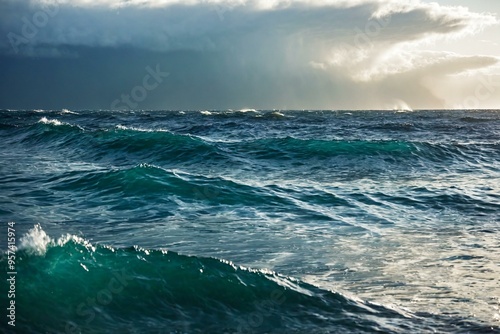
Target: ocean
<point x="250" y="221"/>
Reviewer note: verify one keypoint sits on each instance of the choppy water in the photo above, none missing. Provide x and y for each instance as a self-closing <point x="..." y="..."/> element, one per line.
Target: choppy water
<point x="252" y="222"/>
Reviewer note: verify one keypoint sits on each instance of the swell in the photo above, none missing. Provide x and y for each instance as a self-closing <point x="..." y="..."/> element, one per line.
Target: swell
<point x="117" y="144"/>
<point x="392" y="151"/>
<point x="424" y="199"/>
<point x="149" y="185"/>
<point x="120" y="144"/>
<point x="94" y="287"/>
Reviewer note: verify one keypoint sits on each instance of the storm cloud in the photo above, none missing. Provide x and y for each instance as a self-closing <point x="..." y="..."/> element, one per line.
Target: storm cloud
<point x="363" y="54"/>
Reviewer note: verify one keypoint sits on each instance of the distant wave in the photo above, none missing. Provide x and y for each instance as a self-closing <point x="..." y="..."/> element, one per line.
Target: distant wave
<point x="164" y="144"/>
<point x="478" y="119"/>
<point x="66" y="111"/>
<point x="132" y="128"/>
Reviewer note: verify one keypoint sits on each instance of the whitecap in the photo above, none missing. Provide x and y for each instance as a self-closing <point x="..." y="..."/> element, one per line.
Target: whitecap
<point x="123" y="127"/>
<point x="66" y="111"/>
<point x="35" y="241"/>
<point x="132" y="128"/>
<point x="45" y="120"/>
<point x="401" y="106"/>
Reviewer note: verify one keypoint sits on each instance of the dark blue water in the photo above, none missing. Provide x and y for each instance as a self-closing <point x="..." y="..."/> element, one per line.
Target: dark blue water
<point x="252" y="222"/>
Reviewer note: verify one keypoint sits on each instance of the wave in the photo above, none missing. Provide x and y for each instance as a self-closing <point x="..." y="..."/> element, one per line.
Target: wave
<point x="69" y="284"/>
<point x="50" y="133"/>
<point x="57" y="123"/>
<point x="390" y="151"/>
<point x="470" y="119"/>
<point x="67" y="111"/>
<point x="119" y="143"/>
<point x="160" y="145"/>
<point x="392" y="126"/>
<point x="45" y="120"/>
<point x="316" y="147"/>
<point x="149" y="181"/>
<point x="7" y="126"/>
<point x="155" y="144"/>
<point x="140" y="180"/>
<point x="136" y="129"/>
<point x="142" y="185"/>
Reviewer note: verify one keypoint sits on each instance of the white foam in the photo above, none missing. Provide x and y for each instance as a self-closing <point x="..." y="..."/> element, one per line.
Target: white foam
<point x="35" y="241"/>
<point x="45" y="120"/>
<point x="56" y="122"/>
<point x="205" y="112"/>
<point x="76" y="239"/>
<point x="213" y="140"/>
<point x="66" y="111"/>
<point x="401" y="106"/>
<point x="132" y="128"/>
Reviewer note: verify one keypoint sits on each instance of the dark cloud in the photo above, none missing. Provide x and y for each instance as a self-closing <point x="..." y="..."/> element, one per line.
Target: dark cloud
<point x="314" y="54"/>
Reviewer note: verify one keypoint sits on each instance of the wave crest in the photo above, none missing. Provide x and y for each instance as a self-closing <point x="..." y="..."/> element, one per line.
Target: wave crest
<point x="45" y="120"/>
<point x="35" y="241"/>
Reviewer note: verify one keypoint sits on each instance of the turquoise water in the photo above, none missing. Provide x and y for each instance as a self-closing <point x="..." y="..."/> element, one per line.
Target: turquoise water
<point x="252" y="222"/>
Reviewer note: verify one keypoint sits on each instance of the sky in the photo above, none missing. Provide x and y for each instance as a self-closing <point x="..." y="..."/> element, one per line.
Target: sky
<point x="238" y="54"/>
